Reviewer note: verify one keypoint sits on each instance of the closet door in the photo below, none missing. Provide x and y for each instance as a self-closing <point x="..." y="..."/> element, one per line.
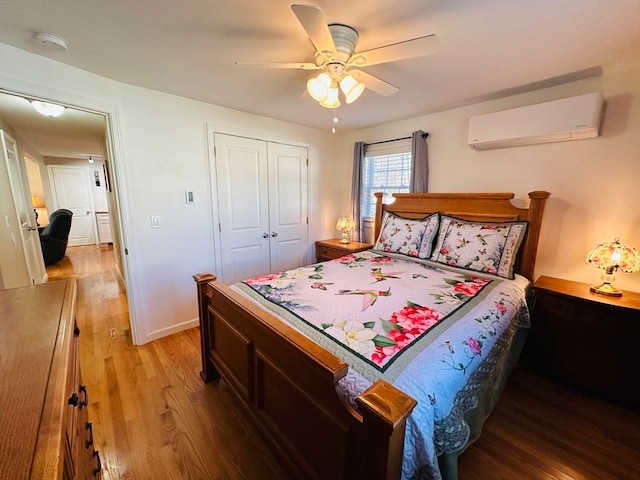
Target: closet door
<point x="262" y="204"/>
<point x="287" y="206"/>
<point x="243" y="206"/>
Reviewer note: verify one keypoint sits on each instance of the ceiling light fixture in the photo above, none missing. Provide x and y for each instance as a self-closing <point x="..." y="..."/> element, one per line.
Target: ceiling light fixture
<point x="48" y="109"/>
<point x="51" y="40"/>
<point x="324" y="87"/>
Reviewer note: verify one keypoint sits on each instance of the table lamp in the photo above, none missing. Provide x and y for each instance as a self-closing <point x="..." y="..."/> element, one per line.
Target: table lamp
<point x="611" y="257"/>
<point x="36" y="203"/>
<point x="345" y="225"/>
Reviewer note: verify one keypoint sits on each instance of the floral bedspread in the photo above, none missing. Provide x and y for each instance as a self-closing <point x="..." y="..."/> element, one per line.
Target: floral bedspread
<point x="416" y="324"/>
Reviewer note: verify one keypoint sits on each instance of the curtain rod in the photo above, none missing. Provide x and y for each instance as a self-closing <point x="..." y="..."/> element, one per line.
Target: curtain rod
<point x="424" y="135"/>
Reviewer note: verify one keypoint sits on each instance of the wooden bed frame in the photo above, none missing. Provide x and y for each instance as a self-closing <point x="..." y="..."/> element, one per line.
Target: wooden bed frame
<point x="287" y="384"/>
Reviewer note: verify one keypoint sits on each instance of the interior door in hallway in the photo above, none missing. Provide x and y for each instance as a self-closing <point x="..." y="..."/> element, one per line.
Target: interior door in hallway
<point x="71" y="191"/>
<point x="262" y="206"/>
<point x="22" y="262"/>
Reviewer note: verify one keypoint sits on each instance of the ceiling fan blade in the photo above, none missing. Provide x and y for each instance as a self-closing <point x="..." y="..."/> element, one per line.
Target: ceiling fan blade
<point x="374" y="83"/>
<point x="416" y="47"/>
<point x="312" y="20"/>
<point x="299" y="65"/>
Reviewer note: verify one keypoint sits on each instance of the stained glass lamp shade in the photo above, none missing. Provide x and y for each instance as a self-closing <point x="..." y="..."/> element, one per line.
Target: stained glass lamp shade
<point x="612" y="256"/>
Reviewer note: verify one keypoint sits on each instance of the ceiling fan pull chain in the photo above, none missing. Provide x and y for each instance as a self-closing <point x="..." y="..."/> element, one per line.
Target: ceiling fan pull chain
<point x="335" y="120"/>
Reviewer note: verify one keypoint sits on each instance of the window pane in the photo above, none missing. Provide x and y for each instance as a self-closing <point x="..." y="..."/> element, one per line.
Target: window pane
<point x="384" y="173"/>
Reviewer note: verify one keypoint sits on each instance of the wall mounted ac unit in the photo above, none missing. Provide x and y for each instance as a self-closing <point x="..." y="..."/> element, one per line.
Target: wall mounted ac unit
<point x="571" y="118"/>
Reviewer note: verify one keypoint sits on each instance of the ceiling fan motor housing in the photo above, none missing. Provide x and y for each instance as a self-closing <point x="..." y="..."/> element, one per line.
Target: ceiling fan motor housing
<point x="345" y="39"/>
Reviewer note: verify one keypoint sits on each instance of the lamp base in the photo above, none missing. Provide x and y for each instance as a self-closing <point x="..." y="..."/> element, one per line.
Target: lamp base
<point x="345" y="238"/>
<point x="606" y="289"/>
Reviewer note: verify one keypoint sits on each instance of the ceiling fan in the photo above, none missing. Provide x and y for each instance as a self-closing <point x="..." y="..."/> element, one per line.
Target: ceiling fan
<point x="336" y="55"/>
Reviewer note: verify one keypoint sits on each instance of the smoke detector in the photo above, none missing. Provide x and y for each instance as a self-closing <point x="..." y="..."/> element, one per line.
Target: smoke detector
<point x="51" y="40"/>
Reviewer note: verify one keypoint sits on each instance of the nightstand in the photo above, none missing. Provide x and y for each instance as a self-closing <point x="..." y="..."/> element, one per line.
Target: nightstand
<point x="332" y="248"/>
<point x="585" y="339"/>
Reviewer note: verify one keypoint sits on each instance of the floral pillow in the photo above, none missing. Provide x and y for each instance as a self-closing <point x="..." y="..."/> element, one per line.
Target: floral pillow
<point x="480" y="246"/>
<point x="408" y="236"/>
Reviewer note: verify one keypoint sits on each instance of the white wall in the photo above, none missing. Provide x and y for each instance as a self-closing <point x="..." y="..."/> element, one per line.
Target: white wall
<point x="161" y="149"/>
<point x="594" y="183"/>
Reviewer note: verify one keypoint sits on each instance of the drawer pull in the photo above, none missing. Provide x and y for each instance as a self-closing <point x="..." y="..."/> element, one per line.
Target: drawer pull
<point x="85" y="401"/>
<point x="76" y="331"/>
<point x="98" y="469"/>
<point x="73" y="399"/>
<point x="89" y="442"/>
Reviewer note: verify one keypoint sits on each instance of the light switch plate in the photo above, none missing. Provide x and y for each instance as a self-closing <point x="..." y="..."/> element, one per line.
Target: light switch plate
<point x="188" y="195"/>
<point x="155" y="221"/>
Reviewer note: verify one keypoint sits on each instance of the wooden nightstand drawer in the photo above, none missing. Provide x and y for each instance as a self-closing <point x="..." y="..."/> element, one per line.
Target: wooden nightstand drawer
<point x="332" y="249"/>
<point x="328" y="253"/>
<point x="553" y="306"/>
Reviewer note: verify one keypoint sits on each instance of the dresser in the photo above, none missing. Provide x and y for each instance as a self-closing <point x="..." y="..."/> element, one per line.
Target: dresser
<point x="43" y="403"/>
<point x="332" y="248"/>
<point x="587" y="340"/>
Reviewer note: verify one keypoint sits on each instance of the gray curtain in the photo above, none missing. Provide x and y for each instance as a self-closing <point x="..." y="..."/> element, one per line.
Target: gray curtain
<point x="419" y="163"/>
<point x="359" y="150"/>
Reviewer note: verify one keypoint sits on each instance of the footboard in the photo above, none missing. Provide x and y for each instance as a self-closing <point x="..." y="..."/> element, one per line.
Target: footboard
<point x="287" y="385"/>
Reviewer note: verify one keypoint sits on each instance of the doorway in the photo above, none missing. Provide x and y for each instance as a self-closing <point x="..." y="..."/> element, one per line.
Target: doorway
<point x="75" y="139"/>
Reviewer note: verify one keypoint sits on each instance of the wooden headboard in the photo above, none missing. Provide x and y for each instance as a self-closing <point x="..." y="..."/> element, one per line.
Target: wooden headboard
<point x="479" y="207"/>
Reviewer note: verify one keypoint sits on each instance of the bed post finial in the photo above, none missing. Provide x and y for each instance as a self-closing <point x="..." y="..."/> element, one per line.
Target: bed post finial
<point x="202" y="279"/>
<point x="378" y="219"/>
<point x="536" y="208"/>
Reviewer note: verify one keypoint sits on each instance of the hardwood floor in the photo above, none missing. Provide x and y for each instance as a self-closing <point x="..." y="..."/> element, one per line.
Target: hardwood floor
<point x="154" y="418"/>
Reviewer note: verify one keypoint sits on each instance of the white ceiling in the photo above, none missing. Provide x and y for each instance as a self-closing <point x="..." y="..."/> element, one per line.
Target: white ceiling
<point x="488" y="48"/>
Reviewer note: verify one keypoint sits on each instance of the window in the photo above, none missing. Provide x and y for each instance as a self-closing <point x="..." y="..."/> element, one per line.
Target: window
<point x="387" y="169"/>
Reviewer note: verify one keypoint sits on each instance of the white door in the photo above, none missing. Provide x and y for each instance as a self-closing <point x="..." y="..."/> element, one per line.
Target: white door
<point x="243" y="206"/>
<point x="26" y="220"/>
<point x="262" y="206"/>
<point x="287" y="206"/>
<point x="71" y="191"/>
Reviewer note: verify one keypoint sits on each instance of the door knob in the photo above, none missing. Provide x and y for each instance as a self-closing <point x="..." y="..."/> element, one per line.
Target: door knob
<point x="265" y="235"/>
<point x="31" y="229"/>
<point x="274" y="234"/>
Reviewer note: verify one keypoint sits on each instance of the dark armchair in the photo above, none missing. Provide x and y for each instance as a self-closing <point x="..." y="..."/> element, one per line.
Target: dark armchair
<point x="54" y="237"/>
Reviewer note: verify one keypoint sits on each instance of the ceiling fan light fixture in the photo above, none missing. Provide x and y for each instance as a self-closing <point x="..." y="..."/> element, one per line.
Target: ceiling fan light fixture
<point x="48" y="109"/>
<point x="332" y="100"/>
<point x="351" y="88"/>
<point x="318" y="87"/>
